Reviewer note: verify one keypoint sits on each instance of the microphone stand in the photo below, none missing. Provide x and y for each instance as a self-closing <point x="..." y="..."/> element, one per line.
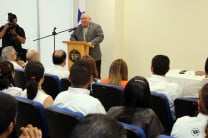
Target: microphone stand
<point x="54" y="33"/>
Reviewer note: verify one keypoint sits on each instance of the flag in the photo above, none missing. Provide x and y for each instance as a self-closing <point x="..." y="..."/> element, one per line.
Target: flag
<point x="81" y="9"/>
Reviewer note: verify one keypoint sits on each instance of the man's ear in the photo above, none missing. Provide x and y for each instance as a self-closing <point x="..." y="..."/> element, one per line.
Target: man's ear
<point x="152" y="70"/>
<point x="11" y="127"/>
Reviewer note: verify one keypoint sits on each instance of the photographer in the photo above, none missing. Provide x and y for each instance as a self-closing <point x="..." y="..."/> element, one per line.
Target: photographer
<point x="13" y="35"/>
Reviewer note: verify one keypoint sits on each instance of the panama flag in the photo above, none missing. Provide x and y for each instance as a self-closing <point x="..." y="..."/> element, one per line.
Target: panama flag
<point x="81" y="9"/>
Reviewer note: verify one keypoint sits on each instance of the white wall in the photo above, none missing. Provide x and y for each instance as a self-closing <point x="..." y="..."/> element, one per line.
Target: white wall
<point x="177" y="28"/>
<point x="137" y="30"/>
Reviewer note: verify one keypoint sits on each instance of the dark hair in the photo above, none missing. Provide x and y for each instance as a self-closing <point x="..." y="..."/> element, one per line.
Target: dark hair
<point x="206" y="67"/>
<point x="34" y="71"/>
<point x="93" y="65"/>
<point x="8" y="111"/>
<point x="59" y="56"/>
<point x="6" y="74"/>
<point x="80" y="73"/>
<point x="137" y="93"/>
<point x="98" y="126"/>
<point x="160" y="64"/>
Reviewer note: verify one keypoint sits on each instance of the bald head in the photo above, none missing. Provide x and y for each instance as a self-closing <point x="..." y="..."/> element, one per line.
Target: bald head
<point x="33" y="56"/>
<point x="59" y="57"/>
<point x="85" y="20"/>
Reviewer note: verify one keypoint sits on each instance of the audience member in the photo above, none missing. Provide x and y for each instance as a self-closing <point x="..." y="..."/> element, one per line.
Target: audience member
<point x="193" y="89"/>
<point x="77" y="97"/>
<point x="118" y="73"/>
<point x="192" y="127"/>
<point x="8" y="114"/>
<point x="9" y="54"/>
<point x="98" y="126"/>
<point x="34" y="74"/>
<point x="59" y="61"/>
<point x="136" y="108"/>
<point x="33" y="56"/>
<point x="6" y="79"/>
<point x="93" y="66"/>
<point x="158" y="82"/>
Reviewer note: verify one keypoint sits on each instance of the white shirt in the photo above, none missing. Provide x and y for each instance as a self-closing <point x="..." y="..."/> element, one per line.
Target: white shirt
<point x="59" y="71"/>
<point x="16" y="66"/>
<point x="193" y="89"/>
<point x="170" y="89"/>
<point x="190" y="127"/>
<point x="79" y="100"/>
<point x="40" y="97"/>
<point x="13" y="91"/>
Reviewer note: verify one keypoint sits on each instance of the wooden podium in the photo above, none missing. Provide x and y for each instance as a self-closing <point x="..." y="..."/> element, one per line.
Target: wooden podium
<point x="76" y="49"/>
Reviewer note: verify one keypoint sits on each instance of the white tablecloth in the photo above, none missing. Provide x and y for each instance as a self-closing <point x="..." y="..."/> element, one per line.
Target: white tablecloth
<point x="185" y="79"/>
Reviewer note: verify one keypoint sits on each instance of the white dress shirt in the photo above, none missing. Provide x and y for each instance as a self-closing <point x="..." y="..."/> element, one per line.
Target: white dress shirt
<point x="13" y="91"/>
<point x="190" y="127"/>
<point x="59" y="71"/>
<point x="170" y="89"/>
<point x="79" y="100"/>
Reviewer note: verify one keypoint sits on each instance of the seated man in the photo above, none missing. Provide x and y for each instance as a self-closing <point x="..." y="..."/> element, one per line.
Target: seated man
<point x="8" y="114"/>
<point x="9" y="54"/>
<point x="59" y="61"/>
<point x="33" y="56"/>
<point x="193" y="89"/>
<point x="158" y="82"/>
<point x="98" y="126"/>
<point x="77" y="98"/>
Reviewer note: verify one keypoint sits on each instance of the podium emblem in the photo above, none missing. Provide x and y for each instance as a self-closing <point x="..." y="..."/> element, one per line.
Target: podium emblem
<point x="74" y="55"/>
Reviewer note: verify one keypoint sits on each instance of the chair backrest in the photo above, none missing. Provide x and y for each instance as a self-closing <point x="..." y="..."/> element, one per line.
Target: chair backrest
<point x="19" y="78"/>
<point x="65" y="83"/>
<point x="133" y="131"/>
<point x="160" y="106"/>
<point x="186" y="106"/>
<point x="109" y="95"/>
<point x="31" y="112"/>
<point x="61" y="121"/>
<point x="52" y="85"/>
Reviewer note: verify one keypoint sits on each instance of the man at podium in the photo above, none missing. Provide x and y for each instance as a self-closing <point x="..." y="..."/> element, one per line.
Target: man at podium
<point x="91" y="33"/>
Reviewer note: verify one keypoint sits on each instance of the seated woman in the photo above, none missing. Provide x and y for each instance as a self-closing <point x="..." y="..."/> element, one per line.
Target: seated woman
<point x="34" y="74"/>
<point x="192" y="127"/>
<point x="6" y="79"/>
<point x="136" y="108"/>
<point x="118" y="73"/>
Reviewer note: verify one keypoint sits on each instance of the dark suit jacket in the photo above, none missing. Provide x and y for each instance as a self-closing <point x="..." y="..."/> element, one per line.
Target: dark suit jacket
<point x="94" y="35"/>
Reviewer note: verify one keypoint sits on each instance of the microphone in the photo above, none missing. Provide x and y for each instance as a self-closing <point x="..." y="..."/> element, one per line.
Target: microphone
<point x="54" y="29"/>
<point x="72" y="29"/>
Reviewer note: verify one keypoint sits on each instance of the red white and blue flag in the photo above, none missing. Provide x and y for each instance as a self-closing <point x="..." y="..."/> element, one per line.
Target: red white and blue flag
<point x="81" y="9"/>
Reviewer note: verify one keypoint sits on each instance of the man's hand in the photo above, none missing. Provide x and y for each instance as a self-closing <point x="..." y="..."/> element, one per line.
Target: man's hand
<point x="30" y="132"/>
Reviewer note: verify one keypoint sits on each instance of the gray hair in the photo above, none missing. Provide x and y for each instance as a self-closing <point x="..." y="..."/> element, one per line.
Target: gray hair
<point x="7" y="52"/>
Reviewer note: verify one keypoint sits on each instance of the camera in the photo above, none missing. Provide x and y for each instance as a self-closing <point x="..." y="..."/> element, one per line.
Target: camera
<point x="11" y="17"/>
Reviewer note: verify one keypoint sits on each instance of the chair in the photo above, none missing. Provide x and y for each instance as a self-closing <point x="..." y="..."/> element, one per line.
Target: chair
<point x="61" y="121"/>
<point x="65" y="83"/>
<point x="133" y="131"/>
<point x="109" y="95"/>
<point x="31" y="112"/>
<point x="160" y="106"/>
<point x="186" y="106"/>
<point x="164" y="136"/>
<point x="51" y="85"/>
<point x="19" y="78"/>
